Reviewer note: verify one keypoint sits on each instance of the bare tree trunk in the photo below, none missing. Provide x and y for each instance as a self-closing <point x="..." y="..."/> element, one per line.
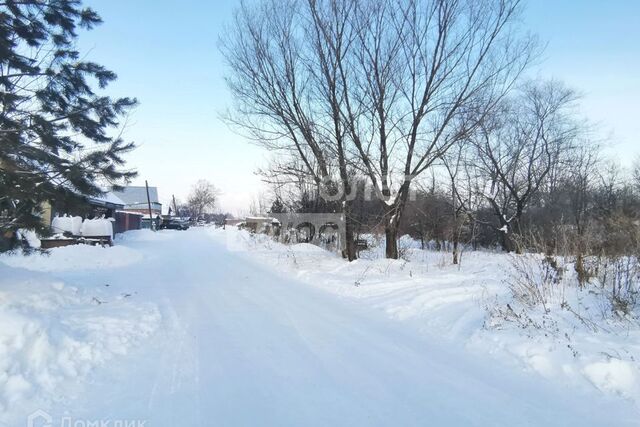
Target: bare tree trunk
<point x="506" y="241"/>
<point x="391" y="248"/>
<point x="392" y="218"/>
<point x="456" y="226"/>
<point x="350" y="251"/>
<point x="455" y="249"/>
<point x="505" y="234"/>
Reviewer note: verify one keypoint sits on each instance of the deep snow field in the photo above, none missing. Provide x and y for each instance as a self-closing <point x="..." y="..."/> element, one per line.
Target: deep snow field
<point x="458" y="303"/>
<point x="213" y="327"/>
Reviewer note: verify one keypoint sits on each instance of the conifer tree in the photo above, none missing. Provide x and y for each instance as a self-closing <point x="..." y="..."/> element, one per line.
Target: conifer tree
<point x="56" y="141"/>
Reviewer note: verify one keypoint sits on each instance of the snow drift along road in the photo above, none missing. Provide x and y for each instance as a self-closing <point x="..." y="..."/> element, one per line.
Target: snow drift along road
<point x="240" y="345"/>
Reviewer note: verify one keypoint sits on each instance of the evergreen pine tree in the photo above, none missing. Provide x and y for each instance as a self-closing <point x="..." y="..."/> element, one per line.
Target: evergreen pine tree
<point x="55" y="141"/>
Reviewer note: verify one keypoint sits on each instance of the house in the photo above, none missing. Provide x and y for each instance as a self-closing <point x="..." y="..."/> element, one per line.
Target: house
<point x="107" y="206"/>
<point x="135" y="200"/>
<point x="233" y="221"/>
<point x="111" y="206"/>
<point x="259" y="224"/>
<point x="89" y="207"/>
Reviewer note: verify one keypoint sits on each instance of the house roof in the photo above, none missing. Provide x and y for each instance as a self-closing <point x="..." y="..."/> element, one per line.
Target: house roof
<point x="133" y="196"/>
<point x="108" y="200"/>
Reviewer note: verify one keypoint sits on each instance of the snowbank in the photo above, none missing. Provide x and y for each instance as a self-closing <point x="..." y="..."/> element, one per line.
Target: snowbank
<point x="145" y="235"/>
<point x="429" y="293"/>
<point x="76" y="257"/>
<point x="30" y="237"/>
<point x="55" y="333"/>
<point x="614" y="376"/>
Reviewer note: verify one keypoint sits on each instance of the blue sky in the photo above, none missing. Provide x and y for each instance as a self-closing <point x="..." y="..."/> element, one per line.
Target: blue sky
<point x="165" y="54"/>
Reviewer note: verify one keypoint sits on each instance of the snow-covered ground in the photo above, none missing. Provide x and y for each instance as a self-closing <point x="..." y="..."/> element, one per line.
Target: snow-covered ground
<point x="465" y="304"/>
<point x="56" y="329"/>
<point x="211" y="327"/>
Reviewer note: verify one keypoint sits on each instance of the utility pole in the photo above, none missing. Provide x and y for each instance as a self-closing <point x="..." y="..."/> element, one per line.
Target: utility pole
<point x="146" y="184"/>
<point x="175" y="206"/>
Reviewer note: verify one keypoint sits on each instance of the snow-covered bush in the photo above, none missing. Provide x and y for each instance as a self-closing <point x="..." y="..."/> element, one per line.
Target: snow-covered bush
<point x="545" y="288"/>
<point x="619" y="278"/>
<point x="29" y="237"/>
<point x="537" y="279"/>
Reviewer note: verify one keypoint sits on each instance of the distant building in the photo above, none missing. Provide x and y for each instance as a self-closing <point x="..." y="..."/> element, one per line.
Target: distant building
<point x="135" y="200"/>
<point x="107" y="205"/>
<point x="93" y="207"/>
<point x="233" y="221"/>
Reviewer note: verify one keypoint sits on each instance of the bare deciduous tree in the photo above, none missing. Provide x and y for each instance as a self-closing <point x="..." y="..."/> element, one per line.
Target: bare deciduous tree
<point x="463" y="184"/>
<point x="428" y="72"/>
<point x="285" y="83"/>
<point x="376" y="88"/>
<point x="202" y="198"/>
<point x="519" y="147"/>
<point x="636" y="174"/>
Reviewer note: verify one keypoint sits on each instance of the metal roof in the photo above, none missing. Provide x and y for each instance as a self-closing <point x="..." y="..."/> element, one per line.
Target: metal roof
<point x="108" y="200"/>
<point x="138" y="195"/>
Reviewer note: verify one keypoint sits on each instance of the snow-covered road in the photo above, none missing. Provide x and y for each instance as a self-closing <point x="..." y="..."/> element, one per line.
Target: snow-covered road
<point x="241" y="345"/>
